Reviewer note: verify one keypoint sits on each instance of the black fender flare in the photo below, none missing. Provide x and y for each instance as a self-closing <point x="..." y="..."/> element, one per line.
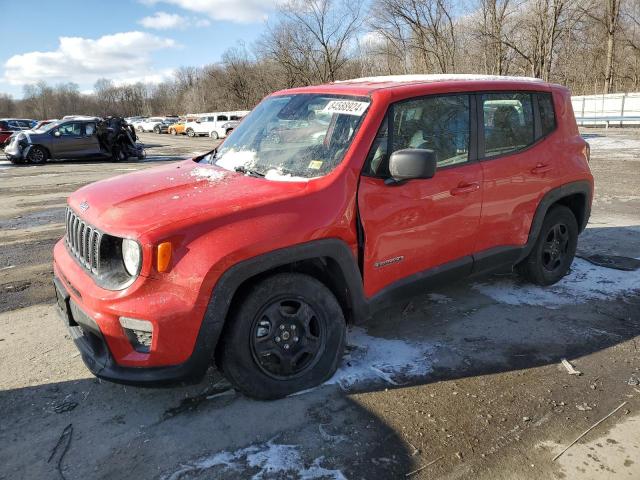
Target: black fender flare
<point x="227" y="285"/>
<point x="582" y="187"/>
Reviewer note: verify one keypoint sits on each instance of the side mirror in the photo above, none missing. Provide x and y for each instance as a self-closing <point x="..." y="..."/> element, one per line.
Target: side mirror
<point x="409" y="164"/>
<point x="56" y="133"/>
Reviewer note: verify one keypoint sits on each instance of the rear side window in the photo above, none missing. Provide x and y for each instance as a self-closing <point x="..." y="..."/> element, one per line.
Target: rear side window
<point x="508" y="122"/>
<point x="547" y="115"/>
<point x="222" y="118"/>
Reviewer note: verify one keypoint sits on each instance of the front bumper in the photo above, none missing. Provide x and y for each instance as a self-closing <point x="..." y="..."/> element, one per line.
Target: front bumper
<point x="97" y="357"/>
<point x="182" y="347"/>
<point x="14" y="150"/>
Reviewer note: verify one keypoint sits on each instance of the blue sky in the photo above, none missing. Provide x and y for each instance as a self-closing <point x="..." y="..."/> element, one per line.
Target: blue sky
<point x="126" y="40"/>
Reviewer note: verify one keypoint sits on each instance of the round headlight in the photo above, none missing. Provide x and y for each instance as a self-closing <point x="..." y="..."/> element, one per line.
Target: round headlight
<point x="131" y="256"/>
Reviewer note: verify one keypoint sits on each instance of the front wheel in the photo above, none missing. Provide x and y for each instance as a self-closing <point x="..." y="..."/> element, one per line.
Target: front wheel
<point x="173" y="132"/>
<point x="156" y="130"/>
<point x="190" y="133"/>
<point x="286" y="334"/>
<point x="214" y="135"/>
<point x="554" y="250"/>
<point x="37" y="155"/>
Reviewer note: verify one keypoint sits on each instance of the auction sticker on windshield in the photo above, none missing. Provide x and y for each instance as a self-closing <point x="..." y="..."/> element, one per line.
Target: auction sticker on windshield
<point x="346" y="107"/>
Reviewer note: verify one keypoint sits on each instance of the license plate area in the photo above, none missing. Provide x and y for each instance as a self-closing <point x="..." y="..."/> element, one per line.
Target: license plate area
<point x="62" y="299"/>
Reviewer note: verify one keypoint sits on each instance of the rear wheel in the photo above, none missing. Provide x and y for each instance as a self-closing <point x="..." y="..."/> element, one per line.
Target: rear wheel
<point x="156" y="129"/>
<point x="37" y="155"/>
<point x="554" y="250"/>
<point x="214" y="135"/>
<point x="287" y="334"/>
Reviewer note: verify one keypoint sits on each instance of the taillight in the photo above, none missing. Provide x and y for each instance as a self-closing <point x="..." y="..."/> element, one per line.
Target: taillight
<point x="587" y="152"/>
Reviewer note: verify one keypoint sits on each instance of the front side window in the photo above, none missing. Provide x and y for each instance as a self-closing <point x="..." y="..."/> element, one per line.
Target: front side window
<point x="508" y="122"/>
<point x="438" y="123"/>
<point x="71" y="129"/>
<point x="222" y="118"/>
<point x="297" y="136"/>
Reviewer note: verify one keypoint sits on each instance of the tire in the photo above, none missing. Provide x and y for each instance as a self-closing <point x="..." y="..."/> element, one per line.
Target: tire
<point x="554" y="250"/>
<point x="140" y="129"/>
<point x="173" y="132"/>
<point x="214" y="135"/>
<point x="190" y="133"/>
<point x="37" y="155"/>
<point x="156" y="130"/>
<point x="286" y="334"/>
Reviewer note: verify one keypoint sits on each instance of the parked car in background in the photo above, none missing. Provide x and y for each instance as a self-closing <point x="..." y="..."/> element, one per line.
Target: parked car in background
<point x="381" y="188"/>
<point x="177" y="128"/>
<point x="150" y="124"/>
<point x="8" y="126"/>
<point x="212" y="124"/>
<point x="163" y="126"/>
<point x="74" y="138"/>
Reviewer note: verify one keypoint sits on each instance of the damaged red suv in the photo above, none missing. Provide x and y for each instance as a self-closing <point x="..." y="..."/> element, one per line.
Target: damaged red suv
<point x="325" y="204"/>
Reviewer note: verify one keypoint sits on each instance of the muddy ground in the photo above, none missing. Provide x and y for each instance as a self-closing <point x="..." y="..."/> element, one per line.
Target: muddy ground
<point x="463" y="382"/>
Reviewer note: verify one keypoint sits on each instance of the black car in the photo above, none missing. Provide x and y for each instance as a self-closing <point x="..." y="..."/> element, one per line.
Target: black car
<point x="74" y="138"/>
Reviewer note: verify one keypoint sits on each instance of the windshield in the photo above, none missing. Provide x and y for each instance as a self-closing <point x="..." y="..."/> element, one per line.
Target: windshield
<point x="293" y="137"/>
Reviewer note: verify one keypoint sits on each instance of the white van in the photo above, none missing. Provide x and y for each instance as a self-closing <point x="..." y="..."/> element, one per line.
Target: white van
<point x="213" y="124"/>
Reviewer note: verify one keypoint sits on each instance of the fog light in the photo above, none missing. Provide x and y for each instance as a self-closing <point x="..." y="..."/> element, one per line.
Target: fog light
<point x="139" y="333"/>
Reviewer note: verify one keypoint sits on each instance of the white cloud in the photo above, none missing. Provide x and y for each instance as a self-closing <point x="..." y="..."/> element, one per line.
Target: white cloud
<point x="241" y="11"/>
<point x="164" y="21"/>
<point x="83" y="60"/>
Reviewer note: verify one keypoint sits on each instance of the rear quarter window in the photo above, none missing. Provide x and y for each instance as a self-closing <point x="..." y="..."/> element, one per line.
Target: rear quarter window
<point x="547" y="114"/>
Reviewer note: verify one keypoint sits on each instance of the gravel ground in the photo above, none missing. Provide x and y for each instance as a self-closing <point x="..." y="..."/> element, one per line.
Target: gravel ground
<point x="463" y="382"/>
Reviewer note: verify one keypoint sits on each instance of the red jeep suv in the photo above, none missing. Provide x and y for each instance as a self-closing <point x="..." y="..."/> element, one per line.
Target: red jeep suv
<point x="325" y="204"/>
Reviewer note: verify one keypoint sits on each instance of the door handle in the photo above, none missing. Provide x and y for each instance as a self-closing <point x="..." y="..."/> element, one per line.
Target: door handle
<point x="465" y="188"/>
<point x="541" y="168"/>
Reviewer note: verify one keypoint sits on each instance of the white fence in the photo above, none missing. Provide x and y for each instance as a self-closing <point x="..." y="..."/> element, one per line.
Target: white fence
<point x="612" y="109"/>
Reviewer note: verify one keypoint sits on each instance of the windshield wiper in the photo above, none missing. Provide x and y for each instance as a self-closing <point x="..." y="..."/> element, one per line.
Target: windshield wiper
<point x="247" y="171"/>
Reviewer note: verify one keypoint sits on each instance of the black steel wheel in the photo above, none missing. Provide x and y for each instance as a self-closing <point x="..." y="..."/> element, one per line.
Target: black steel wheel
<point x="287" y="337"/>
<point x="554" y="250"/>
<point x="285" y="334"/>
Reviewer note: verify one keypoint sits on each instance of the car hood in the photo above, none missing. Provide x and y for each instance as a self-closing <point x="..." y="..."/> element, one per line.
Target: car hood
<point x="139" y="202"/>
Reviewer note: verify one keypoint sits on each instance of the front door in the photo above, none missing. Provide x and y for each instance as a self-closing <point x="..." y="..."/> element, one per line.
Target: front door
<point x="416" y="226"/>
<point x="66" y="144"/>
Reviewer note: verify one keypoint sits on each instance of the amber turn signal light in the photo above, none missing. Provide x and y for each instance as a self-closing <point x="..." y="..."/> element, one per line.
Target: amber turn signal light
<point x="163" y="257"/>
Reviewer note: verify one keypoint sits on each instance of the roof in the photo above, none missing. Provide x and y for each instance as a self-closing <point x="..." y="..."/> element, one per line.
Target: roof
<point x="366" y="85"/>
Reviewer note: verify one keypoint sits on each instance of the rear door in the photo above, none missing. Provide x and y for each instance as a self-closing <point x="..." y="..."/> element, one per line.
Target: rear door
<point x="517" y="167"/>
<point x="420" y="225"/>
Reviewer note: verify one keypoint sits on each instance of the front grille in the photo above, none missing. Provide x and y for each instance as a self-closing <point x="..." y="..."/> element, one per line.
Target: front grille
<point x="83" y="241"/>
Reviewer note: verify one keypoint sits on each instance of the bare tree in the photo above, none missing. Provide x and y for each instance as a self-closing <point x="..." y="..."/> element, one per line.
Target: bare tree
<point x="312" y="38"/>
<point x="422" y="28"/>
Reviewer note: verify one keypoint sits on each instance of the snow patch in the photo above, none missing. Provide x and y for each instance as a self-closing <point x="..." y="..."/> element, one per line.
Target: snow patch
<point x="585" y="282"/>
<point x="439" y="298"/>
<point x="275" y="175"/>
<point x="271" y="459"/>
<point x="613" y="142"/>
<point x="210" y="174"/>
<point x="372" y="358"/>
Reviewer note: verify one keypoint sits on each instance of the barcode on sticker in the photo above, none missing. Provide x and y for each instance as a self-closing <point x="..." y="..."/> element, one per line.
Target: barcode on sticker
<point x="346" y="107"/>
